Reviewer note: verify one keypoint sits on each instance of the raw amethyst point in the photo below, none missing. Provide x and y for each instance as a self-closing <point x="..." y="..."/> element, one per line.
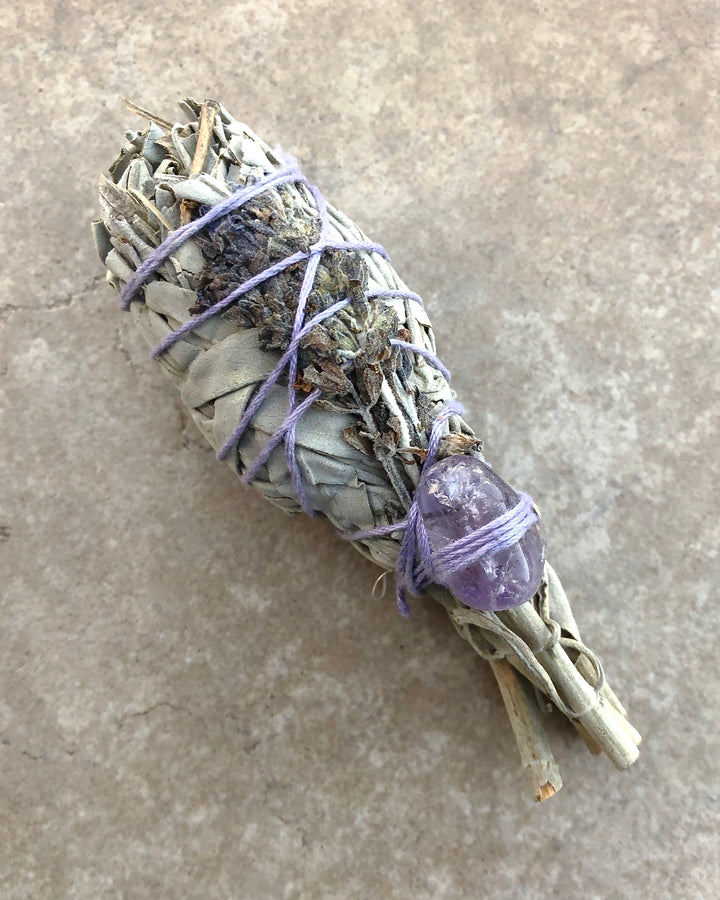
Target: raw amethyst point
<point x="455" y="497"/>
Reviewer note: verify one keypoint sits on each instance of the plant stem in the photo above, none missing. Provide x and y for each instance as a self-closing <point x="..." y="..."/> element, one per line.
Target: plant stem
<point x="540" y="766"/>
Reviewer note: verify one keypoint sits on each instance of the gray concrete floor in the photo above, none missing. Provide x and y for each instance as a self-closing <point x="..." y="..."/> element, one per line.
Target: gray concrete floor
<point x="199" y="697"/>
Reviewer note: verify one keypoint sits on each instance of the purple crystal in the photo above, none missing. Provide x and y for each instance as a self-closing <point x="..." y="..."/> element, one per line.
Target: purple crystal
<point x="460" y="494"/>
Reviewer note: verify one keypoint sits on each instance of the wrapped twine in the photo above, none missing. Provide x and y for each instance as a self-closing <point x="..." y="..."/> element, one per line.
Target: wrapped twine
<point x="311" y="368"/>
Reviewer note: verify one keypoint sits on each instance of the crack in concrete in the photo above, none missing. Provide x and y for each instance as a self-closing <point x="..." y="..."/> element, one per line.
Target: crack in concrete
<point x="75" y="296"/>
<point x="62" y="303"/>
<point x="6" y="314"/>
<point x="32" y="756"/>
<point x="150" y="709"/>
<point x="37" y="757"/>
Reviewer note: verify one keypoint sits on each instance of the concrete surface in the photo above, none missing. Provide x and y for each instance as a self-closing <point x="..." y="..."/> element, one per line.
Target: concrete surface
<point x="199" y="698"/>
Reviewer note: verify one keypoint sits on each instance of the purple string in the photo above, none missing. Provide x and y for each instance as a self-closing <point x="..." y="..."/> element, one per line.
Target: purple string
<point x="290" y="172"/>
<point x="417" y="565"/>
<point x="247" y="286"/>
<point x="411" y="573"/>
<point x="502" y="533"/>
<point x="421" y="351"/>
<point x="305" y="290"/>
<point x="264" y="389"/>
<point x="390" y="294"/>
<point x="282" y="432"/>
<point x="227" y="300"/>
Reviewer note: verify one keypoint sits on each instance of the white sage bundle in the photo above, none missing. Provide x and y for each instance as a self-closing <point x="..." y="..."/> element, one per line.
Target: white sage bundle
<point x="312" y="369"/>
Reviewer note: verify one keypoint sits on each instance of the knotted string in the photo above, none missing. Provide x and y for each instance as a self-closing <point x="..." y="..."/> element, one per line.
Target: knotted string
<point x="417" y="567"/>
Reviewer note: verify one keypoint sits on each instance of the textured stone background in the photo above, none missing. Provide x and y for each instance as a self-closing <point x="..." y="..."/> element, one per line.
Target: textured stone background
<point x="198" y="696"/>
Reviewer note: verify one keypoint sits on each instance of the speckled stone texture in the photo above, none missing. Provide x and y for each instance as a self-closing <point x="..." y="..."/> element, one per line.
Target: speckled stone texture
<point x="199" y="697"/>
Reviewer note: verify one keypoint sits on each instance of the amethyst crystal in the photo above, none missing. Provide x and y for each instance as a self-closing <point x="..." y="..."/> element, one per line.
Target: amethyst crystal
<point x="455" y="497"/>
